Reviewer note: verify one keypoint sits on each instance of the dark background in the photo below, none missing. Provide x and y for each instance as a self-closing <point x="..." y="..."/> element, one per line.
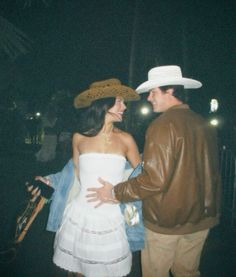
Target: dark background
<point x="73" y="43"/>
<point x="51" y="50"/>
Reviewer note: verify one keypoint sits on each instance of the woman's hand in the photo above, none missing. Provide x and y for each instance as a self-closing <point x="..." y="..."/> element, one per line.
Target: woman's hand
<point x="35" y="191"/>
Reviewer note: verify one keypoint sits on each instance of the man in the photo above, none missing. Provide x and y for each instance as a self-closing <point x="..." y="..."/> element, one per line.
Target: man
<point x="180" y="182"/>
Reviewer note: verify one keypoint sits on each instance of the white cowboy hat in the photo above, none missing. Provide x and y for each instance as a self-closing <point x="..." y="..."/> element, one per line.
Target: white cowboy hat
<point x="167" y="75"/>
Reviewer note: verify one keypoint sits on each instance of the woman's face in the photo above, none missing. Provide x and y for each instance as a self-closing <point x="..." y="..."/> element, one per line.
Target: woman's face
<point x="115" y="113"/>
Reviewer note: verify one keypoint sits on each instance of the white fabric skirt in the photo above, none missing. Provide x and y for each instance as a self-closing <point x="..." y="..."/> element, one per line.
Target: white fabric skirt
<point x="92" y="243"/>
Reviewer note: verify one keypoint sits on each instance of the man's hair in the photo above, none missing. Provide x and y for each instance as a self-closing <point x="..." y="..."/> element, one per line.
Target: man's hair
<point x="179" y="92"/>
<point x="93" y="117"/>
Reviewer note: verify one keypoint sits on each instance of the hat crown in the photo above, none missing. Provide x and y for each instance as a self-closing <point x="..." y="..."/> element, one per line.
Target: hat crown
<point x="162" y="72"/>
<point x="106" y="83"/>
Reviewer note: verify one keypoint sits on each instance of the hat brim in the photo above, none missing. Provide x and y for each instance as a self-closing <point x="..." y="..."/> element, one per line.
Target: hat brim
<point x="85" y="98"/>
<point x="186" y="82"/>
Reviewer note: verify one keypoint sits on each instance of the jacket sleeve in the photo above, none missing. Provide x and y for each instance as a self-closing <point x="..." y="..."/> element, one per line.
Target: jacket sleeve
<point x="158" y="163"/>
<point x="56" y="177"/>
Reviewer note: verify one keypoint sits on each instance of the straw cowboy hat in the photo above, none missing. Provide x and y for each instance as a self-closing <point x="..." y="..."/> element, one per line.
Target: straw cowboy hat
<point x="104" y="89"/>
<point x="167" y="75"/>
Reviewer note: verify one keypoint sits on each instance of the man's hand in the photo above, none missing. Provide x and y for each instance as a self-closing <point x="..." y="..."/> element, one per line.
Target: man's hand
<point x="103" y="194"/>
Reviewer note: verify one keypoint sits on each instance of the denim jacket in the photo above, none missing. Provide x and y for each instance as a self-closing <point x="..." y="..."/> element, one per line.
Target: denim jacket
<point x="63" y="182"/>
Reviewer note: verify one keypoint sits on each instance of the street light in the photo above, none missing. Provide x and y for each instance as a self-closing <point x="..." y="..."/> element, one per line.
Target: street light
<point x="214" y="105"/>
<point x="214" y="122"/>
<point x="145" y="110"/>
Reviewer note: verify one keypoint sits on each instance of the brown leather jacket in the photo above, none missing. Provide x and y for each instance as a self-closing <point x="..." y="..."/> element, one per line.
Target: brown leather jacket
<point x="180" y="182"/>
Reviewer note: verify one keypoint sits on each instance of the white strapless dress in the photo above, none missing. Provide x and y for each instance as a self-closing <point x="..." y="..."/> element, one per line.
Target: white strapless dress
<point x="92" y="241"/>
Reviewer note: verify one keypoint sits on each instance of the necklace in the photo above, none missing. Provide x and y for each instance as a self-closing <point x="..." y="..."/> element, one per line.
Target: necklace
<point x="106" y="136"/>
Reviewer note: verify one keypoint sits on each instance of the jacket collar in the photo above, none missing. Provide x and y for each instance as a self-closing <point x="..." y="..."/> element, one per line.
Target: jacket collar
<point x="178" y="107"/>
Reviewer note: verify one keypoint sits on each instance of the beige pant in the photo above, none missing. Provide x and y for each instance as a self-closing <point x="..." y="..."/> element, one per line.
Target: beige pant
<point x="178" y="253"/>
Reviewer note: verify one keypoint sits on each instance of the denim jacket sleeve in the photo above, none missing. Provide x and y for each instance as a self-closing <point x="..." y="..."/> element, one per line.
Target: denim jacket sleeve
<point x="62" y="183"/>
<point x="135" y="233"/>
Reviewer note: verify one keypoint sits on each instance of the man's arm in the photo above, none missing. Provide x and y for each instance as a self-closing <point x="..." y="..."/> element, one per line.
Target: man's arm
<point x="158" y="163"/>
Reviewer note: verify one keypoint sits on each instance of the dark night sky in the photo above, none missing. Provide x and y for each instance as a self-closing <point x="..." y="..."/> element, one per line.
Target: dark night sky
<point x="74" y="43"/>
<point x="77" y="42"/>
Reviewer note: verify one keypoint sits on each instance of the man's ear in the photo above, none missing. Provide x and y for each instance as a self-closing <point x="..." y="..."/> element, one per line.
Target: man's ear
<point x="170" y="91"/>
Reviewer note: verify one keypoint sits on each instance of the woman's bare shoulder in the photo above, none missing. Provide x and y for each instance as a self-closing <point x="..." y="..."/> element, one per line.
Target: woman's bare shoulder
<point x="123" y="134"/>
<point x="77" y="137"/>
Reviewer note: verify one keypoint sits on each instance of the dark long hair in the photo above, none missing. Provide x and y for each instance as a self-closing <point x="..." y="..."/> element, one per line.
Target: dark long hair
<point x="92" y="118"/>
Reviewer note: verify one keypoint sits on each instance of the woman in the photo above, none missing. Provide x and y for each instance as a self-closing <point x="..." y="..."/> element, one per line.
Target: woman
<point x="93" y="241"/>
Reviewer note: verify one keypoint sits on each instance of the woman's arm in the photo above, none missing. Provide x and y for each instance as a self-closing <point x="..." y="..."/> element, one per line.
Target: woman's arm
<point x="75" y="148"/>
<point x="132" y="153"/>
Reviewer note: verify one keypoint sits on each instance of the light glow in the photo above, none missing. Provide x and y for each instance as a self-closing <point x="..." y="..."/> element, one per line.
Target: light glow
<point x="145" y="110"/>
<point x="214" y="122"/>
<point x="214" y="105"/>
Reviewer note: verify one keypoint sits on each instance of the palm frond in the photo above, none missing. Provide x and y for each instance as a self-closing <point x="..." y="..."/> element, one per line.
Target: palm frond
<point x="28" y="3"/>
<point x="13" y="42"/>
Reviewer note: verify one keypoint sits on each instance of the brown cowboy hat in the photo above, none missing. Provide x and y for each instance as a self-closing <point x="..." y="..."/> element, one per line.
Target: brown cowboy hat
<point x="104" y="89"/>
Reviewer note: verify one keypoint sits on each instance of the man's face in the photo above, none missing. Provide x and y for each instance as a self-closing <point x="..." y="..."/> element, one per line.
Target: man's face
<point x="159" y="100"/>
